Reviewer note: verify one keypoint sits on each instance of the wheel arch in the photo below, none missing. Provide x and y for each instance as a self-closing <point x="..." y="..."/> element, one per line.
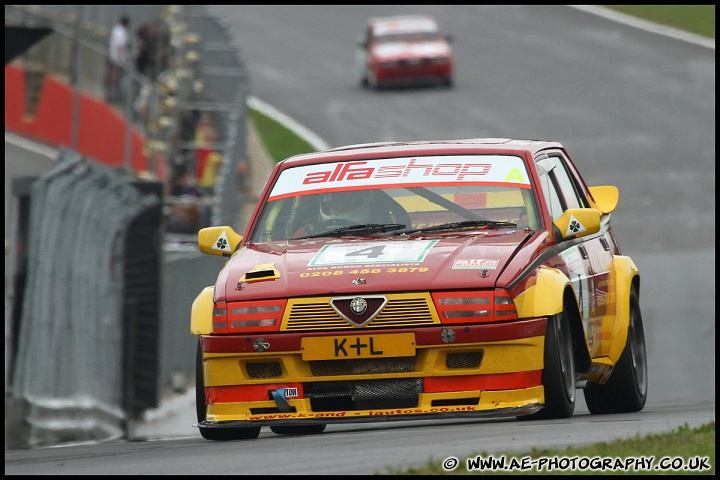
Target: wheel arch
<point x="581" y="352"/>
<point x="551" y="293"/>
<point x="626" y="277"/>
<point x="544" y="295"/>
<point x="201" y="313"/>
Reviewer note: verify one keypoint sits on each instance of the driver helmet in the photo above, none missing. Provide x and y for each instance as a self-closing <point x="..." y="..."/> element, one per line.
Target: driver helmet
<point x="353" y="206"/>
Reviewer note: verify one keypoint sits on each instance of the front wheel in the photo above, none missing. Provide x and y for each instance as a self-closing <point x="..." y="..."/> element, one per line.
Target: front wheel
<point x="626" y="389"/>
<point x="558" y="375"/>
<point x="364" y="80"/>
<point x="218" y="434"/>
<point x="371" y="80"/>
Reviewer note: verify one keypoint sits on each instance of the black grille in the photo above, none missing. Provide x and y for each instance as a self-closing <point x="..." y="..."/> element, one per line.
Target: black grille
<point x="370" y="366"/>
<point x="263" y="370"/>
<point x="463" y="360"/>
<point x="363" y="395"/>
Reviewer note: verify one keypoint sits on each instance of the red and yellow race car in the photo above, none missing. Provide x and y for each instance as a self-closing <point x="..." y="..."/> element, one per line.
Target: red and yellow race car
<point x="419" y="280"/>
<point x="402" y="51"/>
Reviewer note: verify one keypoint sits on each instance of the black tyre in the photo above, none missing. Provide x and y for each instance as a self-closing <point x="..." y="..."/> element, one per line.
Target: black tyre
<point x="372" y="82"/>
<point x="219" y="434"/>
<point x="558" y="375"/>
<point x="298" y="429"/>
<point x="626" y="390"/>
<point x="227" y="434"/>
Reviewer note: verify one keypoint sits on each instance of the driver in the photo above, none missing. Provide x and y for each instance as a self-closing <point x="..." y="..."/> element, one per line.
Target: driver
<point x="351" y="207"/>
<point x="339" y="209"/>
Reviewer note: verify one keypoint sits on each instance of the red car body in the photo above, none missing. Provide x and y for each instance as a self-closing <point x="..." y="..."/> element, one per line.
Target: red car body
<point x="404" y="50"/>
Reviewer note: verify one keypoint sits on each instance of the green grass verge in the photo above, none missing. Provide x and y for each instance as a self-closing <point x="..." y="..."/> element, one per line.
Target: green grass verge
<point x="697" y="19"/>
<point x="684" y="442"/>
<point x="683" y="447"/>
<point x="279" y="142"/>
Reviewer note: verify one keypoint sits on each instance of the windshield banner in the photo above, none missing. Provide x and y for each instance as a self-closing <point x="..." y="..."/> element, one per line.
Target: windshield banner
<point x="500" y="170"/>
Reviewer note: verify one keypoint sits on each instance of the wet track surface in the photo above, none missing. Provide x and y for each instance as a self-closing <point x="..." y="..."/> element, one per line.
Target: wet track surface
<point x="635" y="109"/>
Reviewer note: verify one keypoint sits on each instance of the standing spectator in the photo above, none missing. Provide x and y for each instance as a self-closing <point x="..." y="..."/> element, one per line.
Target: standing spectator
<point x="159" y="48"/>
<point x="206" y="158"/>
<point x="208" y="174"/>
<point x="185" y="216"/>
<point x="119" y="60"/>
<point x="242" y="171"/>
<point x="184" y="138"/>
<point x="153" y="47"/>
<point x="144" y="66"/>
<point x="143" y="57"/>
<point x="207" y="161"/>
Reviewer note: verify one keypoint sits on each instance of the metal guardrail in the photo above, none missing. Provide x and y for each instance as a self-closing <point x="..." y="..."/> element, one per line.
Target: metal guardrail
<point x="69" y="381"/>
<point x="69" y="362"/>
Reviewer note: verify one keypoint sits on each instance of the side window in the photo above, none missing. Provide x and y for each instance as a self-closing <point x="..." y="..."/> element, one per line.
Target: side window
<point x="565" y="183"/>
<point x="550" y="188"/>
<point x="559" y="186"/>
<point x="569" y="187"/>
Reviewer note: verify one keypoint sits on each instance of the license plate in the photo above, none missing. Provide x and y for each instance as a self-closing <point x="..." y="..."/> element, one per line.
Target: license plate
<point x="358" y="346"/>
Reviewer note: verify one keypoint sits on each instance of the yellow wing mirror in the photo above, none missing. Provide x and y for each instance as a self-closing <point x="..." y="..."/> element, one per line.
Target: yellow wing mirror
<point x="220" y="241"/>
<point x="578" y="222"/>
<point x="605" y="198"/>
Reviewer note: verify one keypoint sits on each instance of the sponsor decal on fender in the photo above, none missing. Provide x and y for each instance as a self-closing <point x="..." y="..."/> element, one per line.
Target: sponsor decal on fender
<point x="475" y="264"/>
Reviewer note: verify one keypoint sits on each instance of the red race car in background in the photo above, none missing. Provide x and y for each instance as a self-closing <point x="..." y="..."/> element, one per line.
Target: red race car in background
<point x="404" y="50"/>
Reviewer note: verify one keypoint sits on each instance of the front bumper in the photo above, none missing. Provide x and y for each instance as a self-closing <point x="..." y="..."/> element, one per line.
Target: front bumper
<point x="409" y="74"/>
<point x="452" y="372"/>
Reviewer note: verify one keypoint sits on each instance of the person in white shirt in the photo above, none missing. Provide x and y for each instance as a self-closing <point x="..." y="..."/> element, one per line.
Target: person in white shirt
<point x="119" y="60"/>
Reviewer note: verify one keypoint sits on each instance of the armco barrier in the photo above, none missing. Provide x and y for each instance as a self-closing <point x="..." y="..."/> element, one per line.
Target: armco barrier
<point x="70" y="365"/>
<point x="96" y="342"/>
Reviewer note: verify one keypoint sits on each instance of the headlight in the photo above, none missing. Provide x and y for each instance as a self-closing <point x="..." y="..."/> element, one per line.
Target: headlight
<point x="260" y="316"/>
<point x="478" y="306"/>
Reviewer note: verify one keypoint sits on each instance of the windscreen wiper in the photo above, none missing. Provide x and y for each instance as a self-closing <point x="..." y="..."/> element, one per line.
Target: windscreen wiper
<point x="461" y="226"/>
<point x="356" y="229"/>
